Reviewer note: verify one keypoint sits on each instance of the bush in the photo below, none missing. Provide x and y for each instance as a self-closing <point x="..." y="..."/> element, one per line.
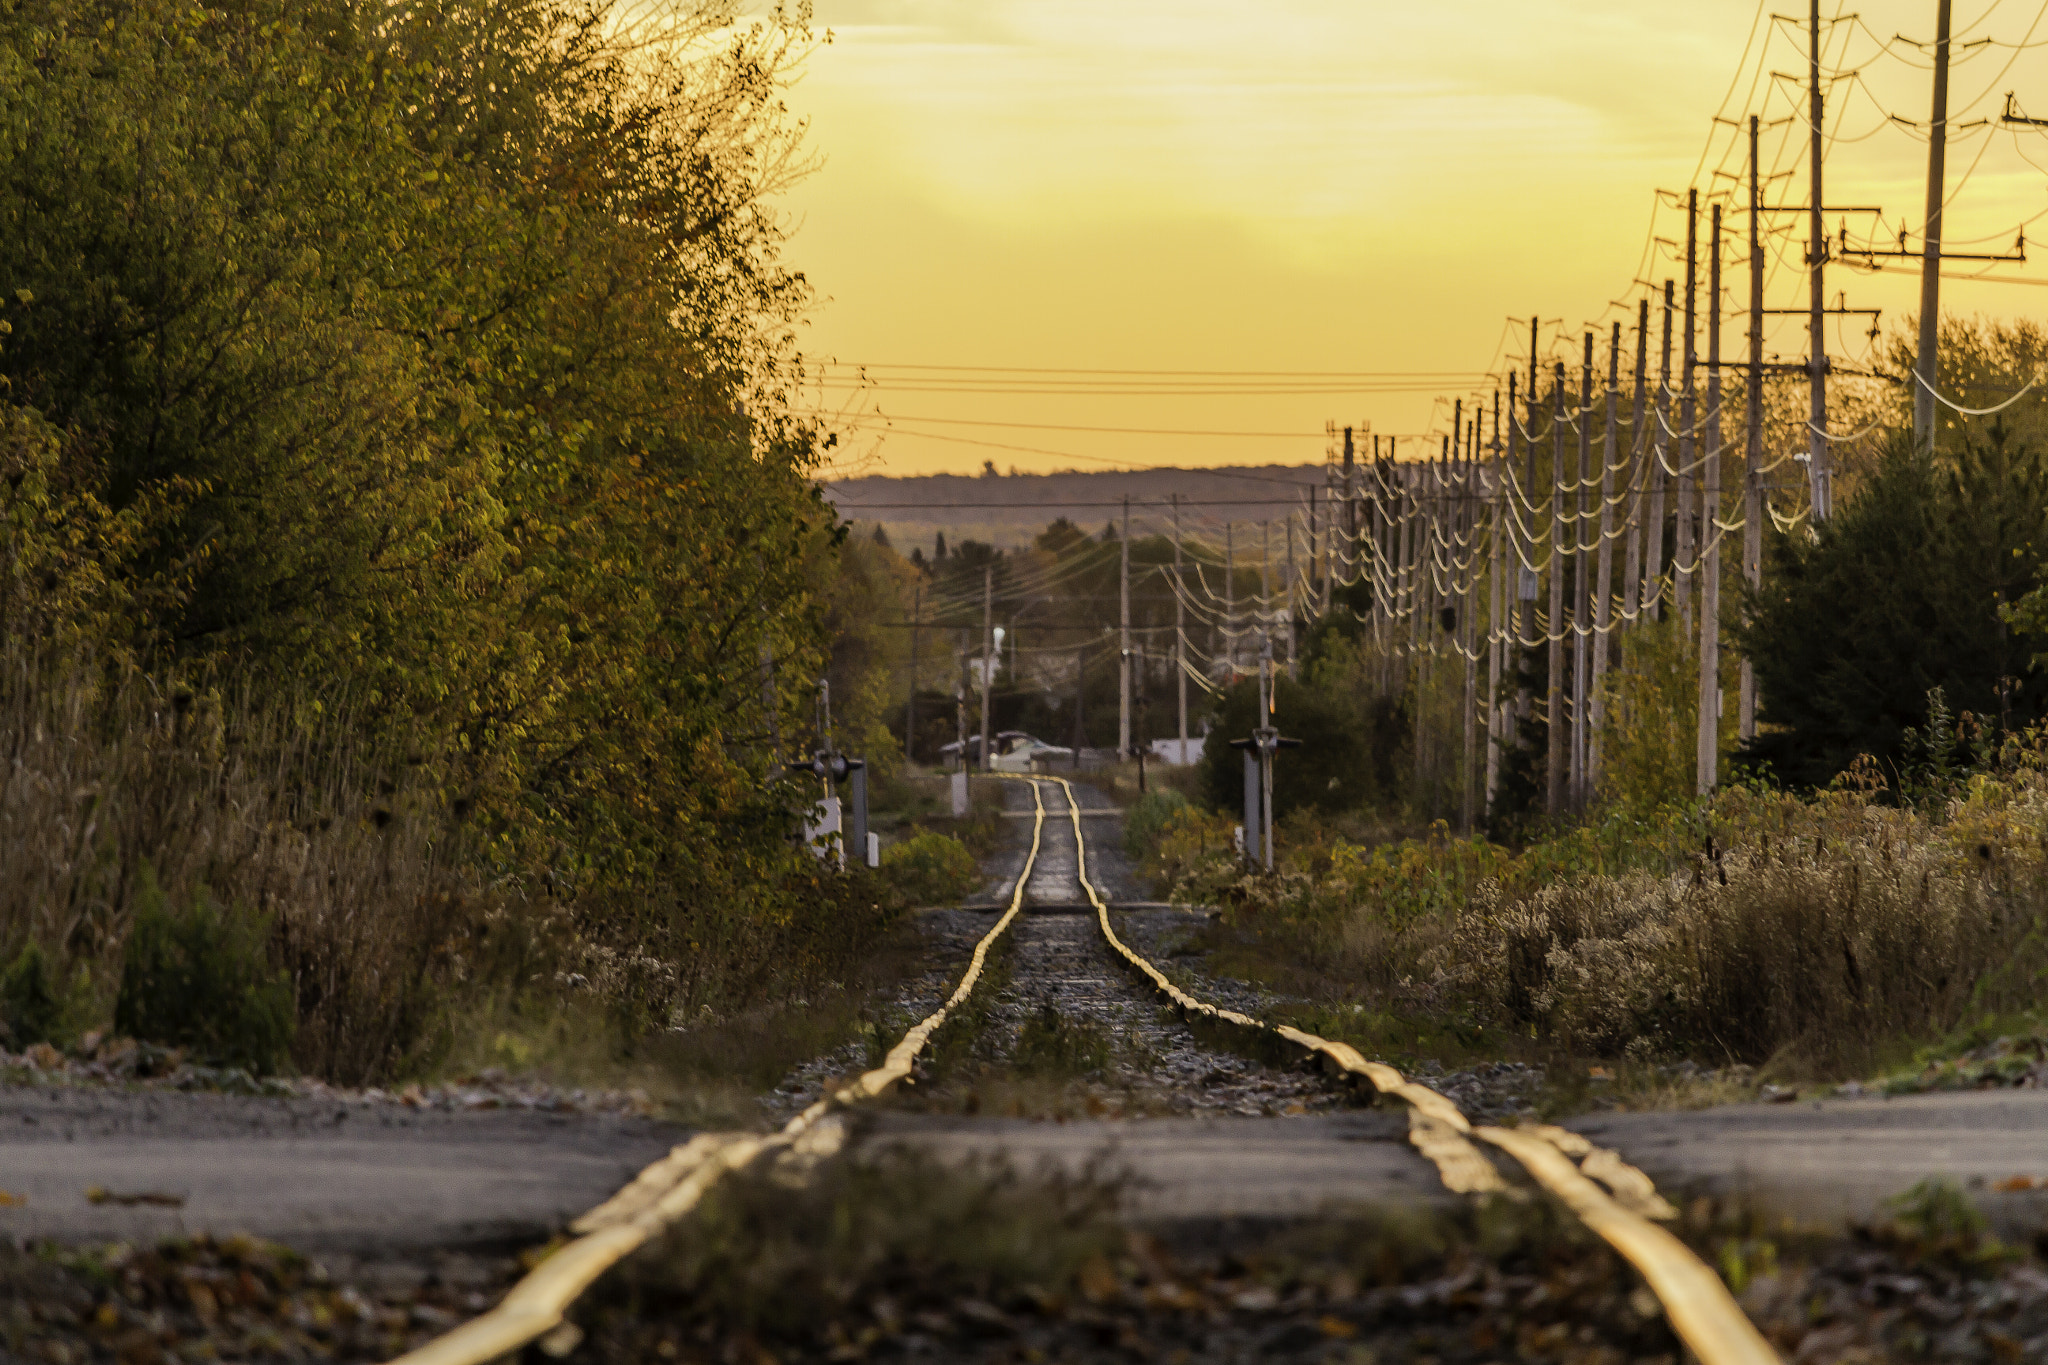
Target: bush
<point x="200" y="977"/>
<point x="29" y="1005"/>
<point x="931" y="868"/>
<point x="1146" y="818"/>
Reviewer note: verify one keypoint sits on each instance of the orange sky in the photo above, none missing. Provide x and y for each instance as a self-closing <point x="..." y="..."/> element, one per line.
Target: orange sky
<point x="1340" y="195"/>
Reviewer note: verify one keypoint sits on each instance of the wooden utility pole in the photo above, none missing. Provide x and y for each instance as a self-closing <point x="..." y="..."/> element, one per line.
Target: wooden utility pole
<point x="988" y="652"/>
<point x="910" y="710"/>
<point x="1289" y="597"/>
<point x="1514" y="596"/>
<point x="1710" y="559"/>
<point x="1653" y="555"/>
<point x="1419" y="636"/>
<point x="1319" y="537"/>
<point x="1926" y="371"/>
<point x="1816" y="260"/>
<point x="1123" y="699"/>
<point x="1603" y="610"/>
<point x="1529" y="484"/>
<point x="960" y="701"/>
<point x="1556" y="722"/>
<point x="1265" y="612"/>
<point x="1638" y="473"/>
<point x="1230" y="602"/>
<point x="1467" y="521"/>
<point x="1180" y="633"/>
<point x="1582" y="585"/>
<point x="1753" y="466"/>
<point x="1496" y="619"/>
<point x="1350" y="489"/>
<point x="1685" y="549"/>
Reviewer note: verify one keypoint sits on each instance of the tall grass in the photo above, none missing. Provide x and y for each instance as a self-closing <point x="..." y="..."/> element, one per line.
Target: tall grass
<point x="1746" y="927"/>
<point x="109" y="789"/>
<point x="398" y="924"/>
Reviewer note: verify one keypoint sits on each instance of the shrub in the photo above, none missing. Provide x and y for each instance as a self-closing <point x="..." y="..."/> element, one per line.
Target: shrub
<point x="29" y="1004"/>
<point x="1865" y="927"/>
<point x="1195" y="851"/>
<point x="200" y="977"/>
<point x="1145" y="819"/>
<point x="931" y="868"/>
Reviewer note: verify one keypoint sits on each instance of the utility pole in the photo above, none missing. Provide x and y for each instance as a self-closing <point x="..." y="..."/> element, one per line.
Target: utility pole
<point x="1293" y="584"/>
<point x="1685" y="549"/>
<point x="1496" y="624"/>
<point x="1467" y="520"/>
<point x="1638" y="473"/>
<point x="1557" y="723"/>
<point x="1318" y="550"/>
<point x="960" y="700"/>
<point x="1753" y="468"/>
<point x="1180" y="631"/>
<point x="988" y="652"/>
<point x="1080" y="704"/>
<point x="1710" y="509"/>
<point x="1530" y="482"/>
<point x="1514" y="604"/>
<point x="1653" y="558"/>
<point x="1925" y="368"/>
<point x="1817" y="255"/>
<point x="1265" y="612"/>
<point x="910" y="711"/>
<point x="1603" y="610"/>
<point x="1123" y="703"/>
<point x="1264" y="738"/>
<point x="1350" y="490"/>
<point x="1230" y="603"/>
<point x="1582" y="587"/>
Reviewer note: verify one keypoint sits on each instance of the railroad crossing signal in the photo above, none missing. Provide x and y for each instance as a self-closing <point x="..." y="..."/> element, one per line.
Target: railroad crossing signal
<point x="835" y="768"/>
<point x="1266" y="741"/>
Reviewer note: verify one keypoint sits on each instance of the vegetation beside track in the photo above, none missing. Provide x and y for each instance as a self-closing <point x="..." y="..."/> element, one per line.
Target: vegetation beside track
<point x="1801" y="940"/>
<point x="414" y="575"/>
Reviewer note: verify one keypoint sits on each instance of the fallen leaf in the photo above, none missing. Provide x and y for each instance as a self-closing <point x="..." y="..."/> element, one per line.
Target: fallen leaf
<point x="2015" y="1184"/>
<point x="1334" y="1326"/>
<point x="10" y="1200"/>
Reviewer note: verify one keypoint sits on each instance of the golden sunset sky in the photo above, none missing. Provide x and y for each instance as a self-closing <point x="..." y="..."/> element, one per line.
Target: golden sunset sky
<point x="1340" y="211"/>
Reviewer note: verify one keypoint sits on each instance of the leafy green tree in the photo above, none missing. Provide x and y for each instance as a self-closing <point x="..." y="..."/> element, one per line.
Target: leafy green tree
<point x="1331" y="771"/>
<point x="1903" y="591"/>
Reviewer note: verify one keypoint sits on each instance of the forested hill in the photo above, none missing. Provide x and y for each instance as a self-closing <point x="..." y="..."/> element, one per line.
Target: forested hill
<point x="1008" y="509"/>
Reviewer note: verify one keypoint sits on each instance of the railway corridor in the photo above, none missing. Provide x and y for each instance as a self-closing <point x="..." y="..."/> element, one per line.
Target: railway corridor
<point x="1061" y="970"/>
<point x="1217" y="1142"/>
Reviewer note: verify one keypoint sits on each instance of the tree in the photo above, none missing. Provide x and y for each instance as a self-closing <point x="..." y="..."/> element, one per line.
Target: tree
<point x="1332" y="769"/>
<point x="1901" y="592"/>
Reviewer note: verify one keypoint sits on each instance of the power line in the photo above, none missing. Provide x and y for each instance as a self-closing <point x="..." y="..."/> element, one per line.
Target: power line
<point x="1113" y="431"/>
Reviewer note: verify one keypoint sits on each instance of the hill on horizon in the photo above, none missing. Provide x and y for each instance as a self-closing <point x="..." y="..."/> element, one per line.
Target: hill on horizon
<point x="1007" y="510"/>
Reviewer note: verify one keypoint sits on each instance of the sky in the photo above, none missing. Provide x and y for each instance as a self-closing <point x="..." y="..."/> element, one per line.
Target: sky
<point x="1053" y="234"/>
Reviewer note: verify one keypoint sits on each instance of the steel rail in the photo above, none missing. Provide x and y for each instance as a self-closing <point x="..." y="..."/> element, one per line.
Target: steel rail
<point x="669" y="1188"/>
<point x="1702" y="1312"/>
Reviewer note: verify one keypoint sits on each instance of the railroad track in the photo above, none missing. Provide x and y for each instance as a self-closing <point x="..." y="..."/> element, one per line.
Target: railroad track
<point x="1613" y="1199"/>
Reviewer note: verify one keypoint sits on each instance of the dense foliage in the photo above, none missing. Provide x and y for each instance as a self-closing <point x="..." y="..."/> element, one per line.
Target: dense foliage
<point x="1900" y="593"/>
<point x="430" y="368"/>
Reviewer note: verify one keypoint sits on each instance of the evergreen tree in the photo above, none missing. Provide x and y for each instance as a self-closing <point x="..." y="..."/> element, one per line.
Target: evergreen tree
<point x="1902" y="592"/>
